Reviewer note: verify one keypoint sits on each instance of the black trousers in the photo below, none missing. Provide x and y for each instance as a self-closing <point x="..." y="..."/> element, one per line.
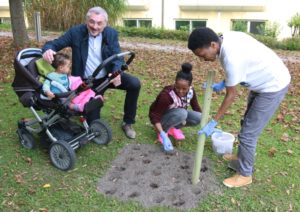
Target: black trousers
<point x="132" y="87"/>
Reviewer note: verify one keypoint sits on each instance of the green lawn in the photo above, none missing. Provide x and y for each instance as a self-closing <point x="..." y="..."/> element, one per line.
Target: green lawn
<point x="5" y="27"/>
<point x="23" y="173"/>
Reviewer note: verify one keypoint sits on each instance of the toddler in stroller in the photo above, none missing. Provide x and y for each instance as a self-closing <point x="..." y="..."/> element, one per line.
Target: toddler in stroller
<point x="57" y="125"/>
<point x="60" y="81"/>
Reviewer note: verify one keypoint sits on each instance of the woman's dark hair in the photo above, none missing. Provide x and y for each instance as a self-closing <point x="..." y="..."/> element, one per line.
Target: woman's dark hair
<point x="201" y="38"/>
<point x="185" y="73"/>
<point x="60" y="59"/>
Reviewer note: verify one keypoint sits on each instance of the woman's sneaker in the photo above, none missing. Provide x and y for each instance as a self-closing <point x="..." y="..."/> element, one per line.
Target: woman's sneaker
<point x="176" y="133"/>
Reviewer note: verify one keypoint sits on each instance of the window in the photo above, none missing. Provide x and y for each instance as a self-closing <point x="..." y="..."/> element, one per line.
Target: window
<point x="183" y="25"/>
<point x="252" y="26"/>
<point x="137" y="23"/>
<point x="5" y="20"/>
<point x="189" y="25"/>
<point x="197" y="24"/>
<point x="257" y="27"/>
<point x="145" y="23"/>
<point x="130" y="23"/>
<point x="239" y="25"/>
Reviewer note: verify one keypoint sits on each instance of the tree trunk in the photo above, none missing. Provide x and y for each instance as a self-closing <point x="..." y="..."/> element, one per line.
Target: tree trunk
<point x="18" y="22"/>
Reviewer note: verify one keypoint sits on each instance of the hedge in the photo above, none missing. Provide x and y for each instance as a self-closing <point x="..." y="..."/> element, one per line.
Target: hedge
<point x="153" y="33"/>
<point x="158" y="33"/>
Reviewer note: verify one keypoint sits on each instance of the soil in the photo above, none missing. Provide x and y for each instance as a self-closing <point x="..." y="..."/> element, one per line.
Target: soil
<point x="145" y="174"/>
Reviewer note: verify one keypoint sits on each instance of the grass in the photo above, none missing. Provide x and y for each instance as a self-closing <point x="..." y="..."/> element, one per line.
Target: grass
<point x="5" y="27"/>
<point x="24" y="173"/>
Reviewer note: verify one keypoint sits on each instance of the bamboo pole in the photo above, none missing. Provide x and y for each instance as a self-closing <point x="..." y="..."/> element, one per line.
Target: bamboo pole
<point x="204" y="120"/>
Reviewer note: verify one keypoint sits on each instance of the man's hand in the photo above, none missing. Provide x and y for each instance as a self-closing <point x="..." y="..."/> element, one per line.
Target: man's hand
<point x="217" y="87"/>
<point x="49" y="94"/>
<point x="209" y="128"/>
<point x="116" y="81"/>
<point x="168" y="147"/>
<point x="49" y="55"/>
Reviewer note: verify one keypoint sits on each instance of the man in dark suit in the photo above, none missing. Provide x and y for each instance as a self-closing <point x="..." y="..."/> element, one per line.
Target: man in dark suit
<point x="92" y="43"/>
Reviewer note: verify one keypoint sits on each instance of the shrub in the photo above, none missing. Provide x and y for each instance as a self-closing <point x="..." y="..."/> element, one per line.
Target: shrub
<point x="267" y="40"/>
<point x="292" y="43"/>
<point x="153" y="33"/>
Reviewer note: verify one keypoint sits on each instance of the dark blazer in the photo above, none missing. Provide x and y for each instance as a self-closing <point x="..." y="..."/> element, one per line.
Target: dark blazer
<point x="77" y="38"/>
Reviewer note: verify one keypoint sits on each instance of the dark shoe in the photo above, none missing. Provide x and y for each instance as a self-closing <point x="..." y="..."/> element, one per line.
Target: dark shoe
<point x="128" y="130"/>
<point x="234" y="165"/>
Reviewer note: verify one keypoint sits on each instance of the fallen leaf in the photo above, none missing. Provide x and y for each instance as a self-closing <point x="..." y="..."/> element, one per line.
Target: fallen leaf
<point x="290" y="152"/>
<point x="28" y="160"/>
<point x="19" y="178"/>
<point x="233" y="201"/>
<point x="47" y="185"/>
<point x="280" y="117"/>
<point x="285" y="137"/>
<point x="291" y="207"/>
<point x="272" y="152"/>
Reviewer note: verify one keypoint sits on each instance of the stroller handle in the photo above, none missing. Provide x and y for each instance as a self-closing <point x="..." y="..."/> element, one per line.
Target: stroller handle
<point x="111" y="58"/>
<point x="88" y="84"/>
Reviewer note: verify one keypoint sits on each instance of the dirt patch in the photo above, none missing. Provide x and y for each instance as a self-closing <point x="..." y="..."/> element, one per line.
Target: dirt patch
<point x="145" y="174"/>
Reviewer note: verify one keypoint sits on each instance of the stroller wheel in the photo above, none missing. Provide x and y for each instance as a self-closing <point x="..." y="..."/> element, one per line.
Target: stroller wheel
<point x="26" y="139"/>
<point x="102" y="132"/>
<point x="62" y="155"/>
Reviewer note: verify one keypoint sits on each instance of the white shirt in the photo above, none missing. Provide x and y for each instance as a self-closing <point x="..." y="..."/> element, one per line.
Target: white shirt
<point x="250" y="63"/>
<point x="94" y="57"/>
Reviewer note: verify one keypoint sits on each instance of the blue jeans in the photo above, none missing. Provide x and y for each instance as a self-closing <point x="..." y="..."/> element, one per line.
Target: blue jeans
<point x="260" y="109"/>
<point x="132" y="87"/>
<point x="177" y="116"/>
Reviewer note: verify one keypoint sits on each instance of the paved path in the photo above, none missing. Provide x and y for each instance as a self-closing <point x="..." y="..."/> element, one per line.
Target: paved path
<point x="156" y="47"/>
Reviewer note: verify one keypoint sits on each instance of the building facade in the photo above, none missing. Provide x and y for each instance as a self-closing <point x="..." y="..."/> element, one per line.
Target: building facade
<point x="4" y="12"/>
<point x="220" y="15"/>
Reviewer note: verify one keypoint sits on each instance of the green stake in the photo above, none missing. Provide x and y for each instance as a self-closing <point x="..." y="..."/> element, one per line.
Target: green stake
<point x="204" y="120"/>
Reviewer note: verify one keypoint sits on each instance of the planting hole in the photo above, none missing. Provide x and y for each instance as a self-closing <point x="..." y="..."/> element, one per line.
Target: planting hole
<point x="159" y="199"/>
<point x="184" y="167"/>
<point x="130" y="159"/>
<point x="178" y="202"/>
<point x="154" y="185"/>
<point x="147" y="161"/>
<point x="111" y="192"/>
<point x="196" y="191"/>
<point x="204" y="169"/>
<point x="121" y="168"/>
<point x="156" y="172"/>
<point x="136" y="148"/>
<point x="134" y="194"/>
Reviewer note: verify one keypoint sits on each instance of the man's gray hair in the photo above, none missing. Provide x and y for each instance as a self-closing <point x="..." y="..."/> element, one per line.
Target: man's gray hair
<point x="97" y="11"/>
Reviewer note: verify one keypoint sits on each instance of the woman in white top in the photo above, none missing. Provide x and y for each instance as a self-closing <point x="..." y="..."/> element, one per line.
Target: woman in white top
<point x="249" y="63"/>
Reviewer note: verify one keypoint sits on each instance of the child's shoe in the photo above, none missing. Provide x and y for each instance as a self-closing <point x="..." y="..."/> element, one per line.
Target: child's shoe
<point x="176" y="133"/>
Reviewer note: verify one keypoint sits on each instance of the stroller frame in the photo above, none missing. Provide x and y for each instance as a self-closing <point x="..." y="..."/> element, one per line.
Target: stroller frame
<point x="61" y="148"/>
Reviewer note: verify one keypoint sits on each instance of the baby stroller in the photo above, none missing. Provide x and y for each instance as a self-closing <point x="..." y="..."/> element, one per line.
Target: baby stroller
<point x="60" y="129"/>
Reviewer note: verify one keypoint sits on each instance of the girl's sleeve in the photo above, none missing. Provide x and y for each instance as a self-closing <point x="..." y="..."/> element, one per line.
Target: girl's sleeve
<point x="160" y="107"/>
